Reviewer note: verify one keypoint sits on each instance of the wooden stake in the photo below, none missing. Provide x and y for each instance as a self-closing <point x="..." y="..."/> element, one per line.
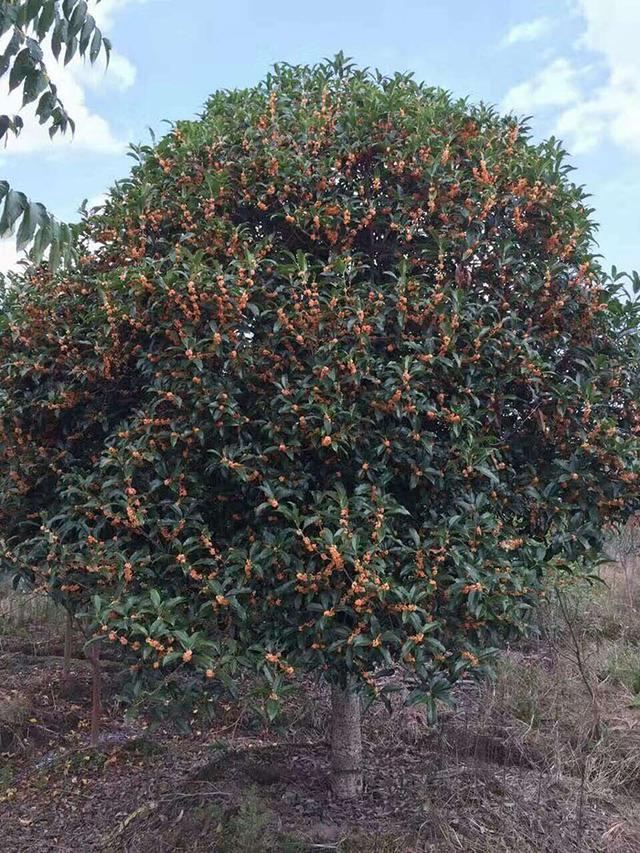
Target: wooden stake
<point x="96" y="693"/>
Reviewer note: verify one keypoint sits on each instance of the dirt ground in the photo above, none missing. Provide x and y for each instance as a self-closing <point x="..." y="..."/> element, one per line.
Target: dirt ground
<point x="546" y="758"/>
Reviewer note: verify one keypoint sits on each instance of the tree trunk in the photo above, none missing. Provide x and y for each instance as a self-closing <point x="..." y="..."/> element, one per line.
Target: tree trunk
<point x="627" y="581"/>
<point x="346" y="743"/>
<point x="96" y="691"/>
<point x="67" y="649"/>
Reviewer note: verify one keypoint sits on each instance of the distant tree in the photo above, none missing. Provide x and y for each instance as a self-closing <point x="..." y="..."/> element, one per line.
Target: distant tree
<point x="337" y="380"/>
<point x="68" y="28"/>
<point x="623" y="546"/>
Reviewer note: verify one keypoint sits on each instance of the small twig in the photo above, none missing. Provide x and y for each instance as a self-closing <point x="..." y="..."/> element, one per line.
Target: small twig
<point x="66" y="667"/>
<point x="581" y="667"/>
<point x="197" y="795"/>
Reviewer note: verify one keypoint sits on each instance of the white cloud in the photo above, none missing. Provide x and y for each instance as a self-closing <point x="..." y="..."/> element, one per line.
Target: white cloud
<point x="612" y="29"/>
<point x="8" y="254"/>
<point x="97" y="200"/>
<point x="555" y="85"/>
<point x="527" y="31"/>
<point x="581" y="126"/>
<point x="105" y="11"/>
<point x="586" y="116"/>
<point x="612" y="111"/>
<point x="120" y="75"/>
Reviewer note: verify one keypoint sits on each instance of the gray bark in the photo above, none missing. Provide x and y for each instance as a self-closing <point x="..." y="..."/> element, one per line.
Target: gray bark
<point x="346" y="744"/>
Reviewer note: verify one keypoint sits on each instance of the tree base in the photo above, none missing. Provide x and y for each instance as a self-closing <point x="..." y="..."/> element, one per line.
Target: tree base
<point x="346" y="786"/>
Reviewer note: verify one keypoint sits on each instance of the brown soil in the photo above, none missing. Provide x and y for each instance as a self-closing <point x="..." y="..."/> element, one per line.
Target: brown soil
<point x="484" y="780"/>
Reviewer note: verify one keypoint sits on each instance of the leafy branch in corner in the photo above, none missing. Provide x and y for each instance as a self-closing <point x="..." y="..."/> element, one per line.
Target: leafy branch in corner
<point x="68" y="29"/>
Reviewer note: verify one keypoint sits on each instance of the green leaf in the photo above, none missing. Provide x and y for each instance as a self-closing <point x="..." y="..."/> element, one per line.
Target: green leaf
<point x="35" y="83"/>
<point x="272" y="707"/>
<point x="42" y="238"/>
<point x="85" y="35"/>
<point x="35" y="51"/>
<point x="55" y="248"/>
<point x="32" y="9"/>
<point x="59" y="37"/>
<point x="8" y="17"/>
<point x="14" y="205"/>
<point x="46" y="106"/>
<point x="30" y="221"/>
<point x="47" y="17"/>
<point x="11" y="50"/>
<point x="22" y="64"/>
<point x="70" y="52"/>
<point x="96" y="44"/>
<point x="10" y="123"/>
<point x="78" y="18"/>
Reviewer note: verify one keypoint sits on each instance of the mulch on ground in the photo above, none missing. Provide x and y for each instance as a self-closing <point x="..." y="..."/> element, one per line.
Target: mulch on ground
<point x="468" y="785"/>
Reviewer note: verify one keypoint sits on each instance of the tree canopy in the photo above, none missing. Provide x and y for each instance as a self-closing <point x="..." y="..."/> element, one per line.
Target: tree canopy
<point x="336" y="381"/>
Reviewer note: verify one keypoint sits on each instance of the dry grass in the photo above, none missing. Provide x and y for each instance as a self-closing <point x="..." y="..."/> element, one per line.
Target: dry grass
<point x="29" y="621"/>
<point x="546" y="757"/>
<point x="14" y="713"/>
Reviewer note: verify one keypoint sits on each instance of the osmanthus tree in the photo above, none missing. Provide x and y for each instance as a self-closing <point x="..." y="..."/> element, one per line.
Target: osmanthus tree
<point x="337" y="378"/>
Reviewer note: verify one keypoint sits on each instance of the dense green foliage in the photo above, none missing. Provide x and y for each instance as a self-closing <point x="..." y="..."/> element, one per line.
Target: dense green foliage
<point x="336" y="379"/>
<point x="70" y="30"/>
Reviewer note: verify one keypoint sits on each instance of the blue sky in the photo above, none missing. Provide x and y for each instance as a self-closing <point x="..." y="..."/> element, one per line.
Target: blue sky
<point x="572" y="64"/>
